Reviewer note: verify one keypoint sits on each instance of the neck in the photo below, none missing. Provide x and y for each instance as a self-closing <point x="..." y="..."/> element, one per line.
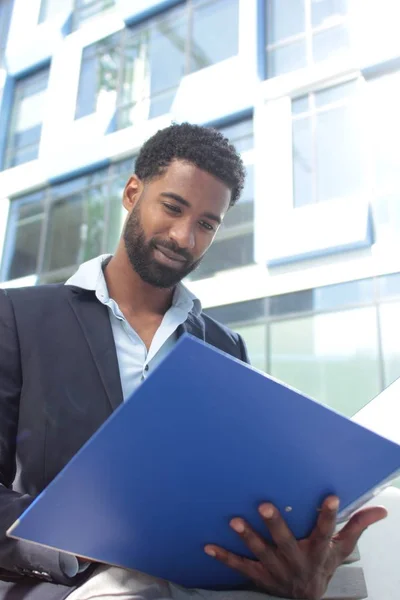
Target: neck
<point x="129" y="290"/>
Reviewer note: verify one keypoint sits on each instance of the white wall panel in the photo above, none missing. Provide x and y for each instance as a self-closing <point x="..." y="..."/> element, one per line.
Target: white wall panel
<point x="30" y="43"/>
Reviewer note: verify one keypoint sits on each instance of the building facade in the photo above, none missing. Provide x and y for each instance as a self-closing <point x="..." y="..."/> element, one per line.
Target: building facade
<point x="307" y="265"/>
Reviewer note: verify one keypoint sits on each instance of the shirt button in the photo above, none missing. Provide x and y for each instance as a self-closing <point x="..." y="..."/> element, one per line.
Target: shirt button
<point x="146" y="368"/>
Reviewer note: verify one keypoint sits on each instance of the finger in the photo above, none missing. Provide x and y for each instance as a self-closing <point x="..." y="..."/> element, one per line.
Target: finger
<point x="261" y="549"/>
<point x="324" y="529"/>
<point x="347" y="538"/>
<point x="245" y="566"/>
<point x="253" y="541"/>
<point x="281" y="534"/>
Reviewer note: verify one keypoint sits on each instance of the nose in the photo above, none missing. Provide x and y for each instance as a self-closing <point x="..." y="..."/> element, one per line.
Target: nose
<point x="182" y="233"/>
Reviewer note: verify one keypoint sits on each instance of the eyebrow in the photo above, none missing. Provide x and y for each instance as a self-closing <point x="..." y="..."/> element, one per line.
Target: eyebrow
<point x="184" y="202"/>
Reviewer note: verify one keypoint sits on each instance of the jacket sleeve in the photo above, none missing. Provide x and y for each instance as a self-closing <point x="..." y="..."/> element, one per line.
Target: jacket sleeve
<point x="17" y="557"/>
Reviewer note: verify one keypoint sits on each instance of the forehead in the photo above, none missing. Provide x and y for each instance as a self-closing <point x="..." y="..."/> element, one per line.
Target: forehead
<point x="193" y="184"/>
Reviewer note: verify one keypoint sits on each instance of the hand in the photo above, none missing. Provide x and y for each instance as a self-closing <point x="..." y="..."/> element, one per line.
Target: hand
<point x="292" y="568"/>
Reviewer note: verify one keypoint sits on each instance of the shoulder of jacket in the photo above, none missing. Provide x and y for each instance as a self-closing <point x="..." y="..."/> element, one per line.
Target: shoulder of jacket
<point x="40" y="294"/>
<point x="35" y="291"/>
<point x="214" y="326"/>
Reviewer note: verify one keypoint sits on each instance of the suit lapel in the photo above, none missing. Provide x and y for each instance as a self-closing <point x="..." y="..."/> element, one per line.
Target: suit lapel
<point x="95" y="323"/>
<point x="96" y="327"/>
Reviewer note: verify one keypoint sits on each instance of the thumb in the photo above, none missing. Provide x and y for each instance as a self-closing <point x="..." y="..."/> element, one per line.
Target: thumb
<point x="348" y="537"/>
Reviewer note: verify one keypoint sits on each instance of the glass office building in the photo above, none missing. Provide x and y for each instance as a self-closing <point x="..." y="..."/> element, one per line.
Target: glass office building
<point x="307" y="265"/>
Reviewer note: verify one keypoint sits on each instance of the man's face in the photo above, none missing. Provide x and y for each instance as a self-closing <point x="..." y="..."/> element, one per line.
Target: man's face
<point x="172" y="221"/>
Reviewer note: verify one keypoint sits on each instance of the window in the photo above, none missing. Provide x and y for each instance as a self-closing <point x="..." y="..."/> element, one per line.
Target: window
<point x="342" y="357"/>
<point x="383" y="126"/>
<point x="302" y="32"/>
<point x="26" y="119"/>
<point x="233" y="246"/>
<point x="23" y="236"/>
<point x="87" y="9"/>
<point x="139" y="69"/>
<point x="229" y="253"/>
<point x="240" y="312"/>
<point x="98" y="76"/>
<point x="51" y="232"/>
<point x="328" y="144"/>
<point x="211" y="41"/>
<point x="5" y="18"/>
<point x="82" y="10"/>
<point x="75" y="224"/>
<point x="52" y="8"/>
<point x="331" y="357"/>
<point x="384" y="98"/>
<point x="344" y="145"/>
<point x="255" y="337"/>
<point x="390" y="331"/>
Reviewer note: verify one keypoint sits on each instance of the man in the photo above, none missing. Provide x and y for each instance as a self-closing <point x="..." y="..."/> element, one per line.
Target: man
<point x="69" y="354"/>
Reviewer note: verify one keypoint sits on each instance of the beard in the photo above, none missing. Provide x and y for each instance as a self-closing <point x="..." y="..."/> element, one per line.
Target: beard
<point x="141" y="255"/>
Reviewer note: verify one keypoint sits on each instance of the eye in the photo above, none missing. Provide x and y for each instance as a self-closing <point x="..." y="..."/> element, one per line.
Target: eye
<point x="206" y="225"/>
<point x="172" y="208"/>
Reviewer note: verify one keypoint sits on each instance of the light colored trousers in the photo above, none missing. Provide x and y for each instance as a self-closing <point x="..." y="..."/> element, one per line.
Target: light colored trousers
<point x="378" y="546"/>
<point x="114" y="583"/>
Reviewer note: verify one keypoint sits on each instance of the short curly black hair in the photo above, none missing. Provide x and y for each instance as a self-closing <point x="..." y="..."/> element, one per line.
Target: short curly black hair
<point x="204" y="147"/>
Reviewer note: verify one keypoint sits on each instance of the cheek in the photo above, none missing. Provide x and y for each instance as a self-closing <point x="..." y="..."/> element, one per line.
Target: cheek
<point x="203" y="243"/>
<point x="155" y="223"/>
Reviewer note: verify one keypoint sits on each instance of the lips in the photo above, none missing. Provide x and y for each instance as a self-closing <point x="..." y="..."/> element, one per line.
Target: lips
<point x="170" y="255"/>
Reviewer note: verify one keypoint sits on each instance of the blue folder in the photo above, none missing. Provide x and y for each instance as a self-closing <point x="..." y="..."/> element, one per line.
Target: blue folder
<point x="203" y="439"/>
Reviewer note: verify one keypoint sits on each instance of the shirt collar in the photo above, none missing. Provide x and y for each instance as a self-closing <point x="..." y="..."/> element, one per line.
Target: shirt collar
<point x="90" y="276"/>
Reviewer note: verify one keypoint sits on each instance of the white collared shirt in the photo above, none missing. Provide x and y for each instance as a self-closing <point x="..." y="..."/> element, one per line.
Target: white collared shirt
<point x="134" y="361"/>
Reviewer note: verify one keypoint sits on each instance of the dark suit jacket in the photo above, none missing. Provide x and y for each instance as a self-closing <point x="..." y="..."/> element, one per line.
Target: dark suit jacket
<point x="59" y="381"/>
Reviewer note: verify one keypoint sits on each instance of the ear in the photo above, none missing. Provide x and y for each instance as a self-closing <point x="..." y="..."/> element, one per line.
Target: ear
<point x="132" y="192"/>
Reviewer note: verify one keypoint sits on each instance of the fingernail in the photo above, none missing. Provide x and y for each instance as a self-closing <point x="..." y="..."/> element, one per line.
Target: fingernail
<point x="238" y="526"/>
<point x="333" y="503"/>
<point x="266" y="511"/>
<point x="209" y="551"/>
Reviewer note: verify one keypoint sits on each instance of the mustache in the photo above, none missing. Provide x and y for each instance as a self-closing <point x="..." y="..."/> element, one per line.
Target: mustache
<point x="170" y="245"/>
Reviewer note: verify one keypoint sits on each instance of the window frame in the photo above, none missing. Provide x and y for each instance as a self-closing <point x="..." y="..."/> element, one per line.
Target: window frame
<point x="306" y="36"/>
<point x="76" y="10"/>
<point x="184" y="10"/>
<point x="313" y="112"/>
<point x="12" y="229"/>
<point x="79" y="8"/>
<point x="298" y="241"/>
<point x="106" y="177"/>
<point x="19" y="87"/>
